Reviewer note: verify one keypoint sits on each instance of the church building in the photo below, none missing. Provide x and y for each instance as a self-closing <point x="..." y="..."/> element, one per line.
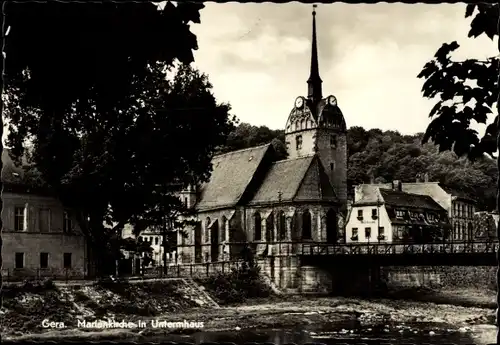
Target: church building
<point x="273" y="204"/>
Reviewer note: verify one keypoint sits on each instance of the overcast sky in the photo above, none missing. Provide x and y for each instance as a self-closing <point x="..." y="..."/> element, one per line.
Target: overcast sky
<point x="257" y="57"/>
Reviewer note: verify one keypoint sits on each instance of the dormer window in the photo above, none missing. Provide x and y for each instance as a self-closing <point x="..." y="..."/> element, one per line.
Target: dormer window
<point x="413" y="215"/>
<point x="400" y="214"/>
<point x="298" y="142"/>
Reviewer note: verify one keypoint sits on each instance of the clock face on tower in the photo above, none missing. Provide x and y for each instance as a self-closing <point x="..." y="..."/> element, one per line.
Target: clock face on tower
<point x="299" y="102"/>
<point x="332" y="101"/>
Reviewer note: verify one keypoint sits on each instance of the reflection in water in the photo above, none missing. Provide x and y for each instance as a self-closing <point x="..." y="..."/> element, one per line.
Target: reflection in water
<point x="399" y="334"/>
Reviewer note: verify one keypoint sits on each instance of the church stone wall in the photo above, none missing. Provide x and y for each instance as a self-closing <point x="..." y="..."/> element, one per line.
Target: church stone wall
<point x="334" y="156"/>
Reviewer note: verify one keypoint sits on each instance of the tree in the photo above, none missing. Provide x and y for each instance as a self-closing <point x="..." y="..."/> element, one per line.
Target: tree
<point x="105" y="125"/>
<point x="467" y="90"/>
<point x="246" y="135"/>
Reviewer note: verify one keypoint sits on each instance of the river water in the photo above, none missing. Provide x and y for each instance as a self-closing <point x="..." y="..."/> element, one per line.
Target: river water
<point x="334" y="334"/>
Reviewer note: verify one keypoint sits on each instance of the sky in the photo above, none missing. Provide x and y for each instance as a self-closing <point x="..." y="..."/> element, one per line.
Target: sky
<point x="257" y="57"/>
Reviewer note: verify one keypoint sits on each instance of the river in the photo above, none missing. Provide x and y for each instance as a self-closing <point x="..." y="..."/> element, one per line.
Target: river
<point x="334" y="334"/>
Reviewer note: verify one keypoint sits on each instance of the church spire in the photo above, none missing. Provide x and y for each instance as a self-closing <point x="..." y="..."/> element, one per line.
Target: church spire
<point x="314" y="82"/>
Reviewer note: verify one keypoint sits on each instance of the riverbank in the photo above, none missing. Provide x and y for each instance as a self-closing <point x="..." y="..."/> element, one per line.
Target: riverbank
<point x="451" y="307"/>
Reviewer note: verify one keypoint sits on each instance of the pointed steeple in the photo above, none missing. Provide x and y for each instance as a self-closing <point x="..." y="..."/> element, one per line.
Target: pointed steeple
<point x="315" y="92"/>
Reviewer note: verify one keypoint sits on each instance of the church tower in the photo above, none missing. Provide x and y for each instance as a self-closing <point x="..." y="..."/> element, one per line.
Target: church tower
<point x="316" y="126"/>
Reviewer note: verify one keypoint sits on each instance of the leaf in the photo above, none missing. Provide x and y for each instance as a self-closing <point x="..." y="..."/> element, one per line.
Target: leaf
<point x="429" y="68"/>
<point x="485" y="21"/>
<point x="469" y="10"/>
<point x="442" y="53"/>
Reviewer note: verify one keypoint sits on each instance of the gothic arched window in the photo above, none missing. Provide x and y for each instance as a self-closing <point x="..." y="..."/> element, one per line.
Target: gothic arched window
<point x="270" y="228"/>
<point x="306" y="225"/>
<point x="257" y="227"/>
<point x="207" y="233"/>
<point x="281" y="225"/>
<point x="331" y="226"/>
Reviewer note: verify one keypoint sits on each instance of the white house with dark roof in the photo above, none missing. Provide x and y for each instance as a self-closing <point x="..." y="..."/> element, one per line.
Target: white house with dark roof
<point x="392" y="215"/>
<point x="252" y="197"/>
<point x="459" y="206"/>
<point x="40" y="237"/>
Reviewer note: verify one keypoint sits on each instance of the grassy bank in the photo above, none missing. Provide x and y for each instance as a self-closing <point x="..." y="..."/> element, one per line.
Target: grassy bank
<point x="25" y="306"/>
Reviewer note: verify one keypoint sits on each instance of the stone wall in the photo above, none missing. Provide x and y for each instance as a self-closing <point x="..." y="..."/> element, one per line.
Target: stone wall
<point x="441" y="276"/>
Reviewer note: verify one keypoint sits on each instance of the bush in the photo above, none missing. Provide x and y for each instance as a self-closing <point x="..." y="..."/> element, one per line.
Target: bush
<point x="240" y="284"/>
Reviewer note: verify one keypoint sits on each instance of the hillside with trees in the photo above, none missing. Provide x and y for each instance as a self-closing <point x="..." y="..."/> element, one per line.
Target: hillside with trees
<point x="388" y="155"/>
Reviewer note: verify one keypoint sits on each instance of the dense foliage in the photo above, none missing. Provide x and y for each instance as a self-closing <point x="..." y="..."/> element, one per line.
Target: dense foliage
<point x="466" y="92"/>
<point x="383" y="156"/>
<point x="108" y="131"/>
<point x="240" y="284"/>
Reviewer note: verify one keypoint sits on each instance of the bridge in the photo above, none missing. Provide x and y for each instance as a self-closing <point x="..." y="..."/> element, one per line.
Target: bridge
<point x="452" y="253"/>
<point x="308" y="266"/>
<point x="477" y="253"/>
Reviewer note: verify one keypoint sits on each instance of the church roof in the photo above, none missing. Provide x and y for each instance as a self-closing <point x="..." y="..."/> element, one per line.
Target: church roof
<point x="298" y="179"/>
<point x="231" y="175"/>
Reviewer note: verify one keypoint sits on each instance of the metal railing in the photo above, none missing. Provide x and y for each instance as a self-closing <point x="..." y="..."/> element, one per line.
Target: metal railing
<point x="185" y="270"/>
<point x="41" y="274"/>
<point x="284" y="248"/>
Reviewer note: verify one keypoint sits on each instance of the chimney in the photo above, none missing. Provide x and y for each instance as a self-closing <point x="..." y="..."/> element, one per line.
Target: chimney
<point x="426" y="177"/>
<point x="396" y="185"/>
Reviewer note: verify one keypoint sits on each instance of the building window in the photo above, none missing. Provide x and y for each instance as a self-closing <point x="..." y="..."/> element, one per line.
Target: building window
<point x="157" y="240"/>
<point x="306" y="225"/>
<point x="374" y="213"/>
<point x="44" y="260"/>
<point x="368" y="233"/>
<point x="282" y="225"/>
<point x="360" y="214"/>
<point x="298" y="142"/>
<point x="257" y="227"/>
<point x="139" y="239"/>
<point x="431" y="217"/>
<point x="224" y="227"/>
<point x="400" y="214"/>
<point x="381" y="233"/>
<point x="270" y="228"/>
<point x="67" y="226"/>
<point x="333" y="141"/>
<point x="19" y="260"/>
<point x="44" y="220"/>
<point x="332" y="166"/>
<point x="19" y="218"/>
<point x="185" y="202"/>
<point x="207" y="230"/>
<point x="354" y="234"/>
<point x="67" y="260"/>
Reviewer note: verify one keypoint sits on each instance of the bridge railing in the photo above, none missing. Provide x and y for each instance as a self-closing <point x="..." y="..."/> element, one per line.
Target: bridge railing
<point x="284" y="248"/>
